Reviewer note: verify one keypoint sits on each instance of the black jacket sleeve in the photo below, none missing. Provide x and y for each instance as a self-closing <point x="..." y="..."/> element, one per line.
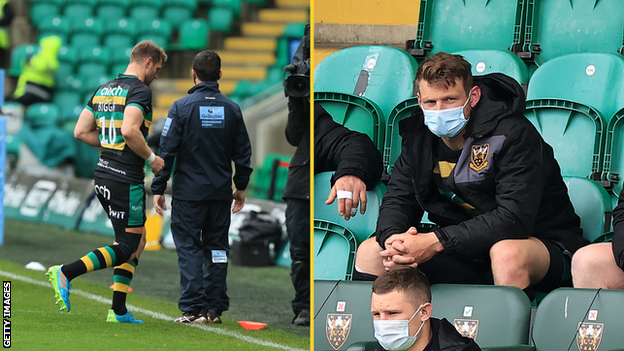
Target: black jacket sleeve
<point x="519" y="186"/>
<point x="618" y="232"/>
<point x="345" y="151"/>
<point x="400" y="209"/>
<point x="297" y="118"/>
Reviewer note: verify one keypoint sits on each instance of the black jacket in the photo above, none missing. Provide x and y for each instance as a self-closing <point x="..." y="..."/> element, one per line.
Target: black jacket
<point x="204" y="133"/>
<point x="618" y="232"/>
<point x="336" y="148"/>
<point x="517" y="186"/>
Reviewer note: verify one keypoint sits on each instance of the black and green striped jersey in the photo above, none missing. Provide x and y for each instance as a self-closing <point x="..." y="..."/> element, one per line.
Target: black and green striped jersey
<point x="118" y="161"/>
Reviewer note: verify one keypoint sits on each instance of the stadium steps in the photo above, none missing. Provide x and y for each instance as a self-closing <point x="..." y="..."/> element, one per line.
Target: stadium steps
<point x="292" y="3"/>
<point x="282" y="15"/>
<point x="260" y="29"/>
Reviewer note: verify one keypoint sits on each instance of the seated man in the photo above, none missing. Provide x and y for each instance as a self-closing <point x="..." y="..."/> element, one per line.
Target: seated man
<point x="401" y="308"/>
<point x="602" y="265"/>
<point x="485" y="177"/>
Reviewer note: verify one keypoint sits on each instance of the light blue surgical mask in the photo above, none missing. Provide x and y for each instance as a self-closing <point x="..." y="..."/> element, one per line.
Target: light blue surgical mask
<point x="446" y="123"/>
<point x="394" y="334"/>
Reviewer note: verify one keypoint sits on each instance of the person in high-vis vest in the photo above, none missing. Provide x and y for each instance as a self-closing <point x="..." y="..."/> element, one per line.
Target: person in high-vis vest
<point x="6" y="17"/>
<point x="36" y="82"/>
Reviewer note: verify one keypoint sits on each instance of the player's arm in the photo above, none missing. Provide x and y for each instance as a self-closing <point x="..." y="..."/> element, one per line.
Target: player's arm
<point x="131" y="131"/>
<point x="86" y="129"/>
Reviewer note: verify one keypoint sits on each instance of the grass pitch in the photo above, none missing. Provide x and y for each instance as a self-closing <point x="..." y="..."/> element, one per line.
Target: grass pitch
<point x="257" y="294"/>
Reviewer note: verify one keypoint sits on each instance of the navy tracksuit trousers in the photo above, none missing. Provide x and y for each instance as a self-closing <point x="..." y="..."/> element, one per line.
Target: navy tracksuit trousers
<point x="200" y="233"/>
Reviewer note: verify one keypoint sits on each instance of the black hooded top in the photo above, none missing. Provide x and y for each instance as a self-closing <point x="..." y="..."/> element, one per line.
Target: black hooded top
<point x="505" y="170"/>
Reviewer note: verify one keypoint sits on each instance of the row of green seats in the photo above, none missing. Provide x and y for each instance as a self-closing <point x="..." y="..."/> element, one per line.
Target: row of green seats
<point x="121" y="32"/>
<point x="496" y="317"/>
<point x="537" y="30"/>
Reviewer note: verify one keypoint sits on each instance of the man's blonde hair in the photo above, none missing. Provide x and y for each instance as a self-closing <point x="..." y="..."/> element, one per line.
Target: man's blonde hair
<point x="145" y="49"/>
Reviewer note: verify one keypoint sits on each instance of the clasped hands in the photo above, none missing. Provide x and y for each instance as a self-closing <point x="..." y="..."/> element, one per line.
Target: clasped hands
<point x="410" y="248"/>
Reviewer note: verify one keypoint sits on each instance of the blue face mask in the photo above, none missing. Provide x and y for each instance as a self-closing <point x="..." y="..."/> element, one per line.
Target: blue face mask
<point x="393" y="335"/>
<point x="446" y="123"/>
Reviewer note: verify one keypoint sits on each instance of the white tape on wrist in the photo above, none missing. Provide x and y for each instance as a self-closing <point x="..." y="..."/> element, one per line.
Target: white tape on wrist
<point x="344" y="194"/>
<point x="151" y="158"/>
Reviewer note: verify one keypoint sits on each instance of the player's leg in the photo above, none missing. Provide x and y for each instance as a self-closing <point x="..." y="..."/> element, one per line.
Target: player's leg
<point x="216" y="250"/>
<point x="594" y="267"/>
<point x="131" y="234"/>
<point x="521" y="263"/>
<point x="101" y="258"/>
<point x="186" y="225"/>
<point x="368" y="260"/>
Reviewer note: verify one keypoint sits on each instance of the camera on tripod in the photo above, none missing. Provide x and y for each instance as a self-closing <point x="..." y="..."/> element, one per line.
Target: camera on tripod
<point x="297" y="84"/>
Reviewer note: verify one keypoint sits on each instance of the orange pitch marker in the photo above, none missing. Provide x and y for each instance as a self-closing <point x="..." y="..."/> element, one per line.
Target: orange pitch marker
<point x="252" y="325"/>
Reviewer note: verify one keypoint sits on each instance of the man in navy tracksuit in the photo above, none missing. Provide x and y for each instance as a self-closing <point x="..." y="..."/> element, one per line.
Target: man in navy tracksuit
<point x="204" y="133"/>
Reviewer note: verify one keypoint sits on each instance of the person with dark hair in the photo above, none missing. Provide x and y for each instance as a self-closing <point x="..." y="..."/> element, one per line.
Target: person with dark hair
<point x="401" y="308"/>
<point x="117" y="118"/>
<point x="204" y="133"/>
<point x="601" y="265"/>
<point x="485" y="177"/>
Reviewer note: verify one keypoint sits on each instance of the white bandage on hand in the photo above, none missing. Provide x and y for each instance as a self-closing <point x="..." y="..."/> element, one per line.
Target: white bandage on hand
<point x="353" y="211"/>
<point x="151" y="158"/>
<point x="344" y="194"/>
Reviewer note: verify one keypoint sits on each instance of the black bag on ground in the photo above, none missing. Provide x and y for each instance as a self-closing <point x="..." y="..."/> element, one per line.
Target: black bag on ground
<point x="260" y="236"/>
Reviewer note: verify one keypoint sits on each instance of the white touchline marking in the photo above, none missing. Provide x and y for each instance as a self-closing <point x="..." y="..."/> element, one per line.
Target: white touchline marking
<point x="156" y="315"/>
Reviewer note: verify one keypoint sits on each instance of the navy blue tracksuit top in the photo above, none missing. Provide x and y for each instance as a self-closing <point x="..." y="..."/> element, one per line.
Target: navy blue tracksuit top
<point x="206" y="132"/>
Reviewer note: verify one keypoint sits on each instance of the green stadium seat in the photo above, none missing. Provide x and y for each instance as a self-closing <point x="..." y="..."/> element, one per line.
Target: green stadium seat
<point x="362" y="226"/>
<point x="86" y="32"/>
<point x="68" y="83"/>
<point x="69" y="116"/>
<point x="145" y="10"/>
<point x="42" y="114"/>
<point x="294" y="30"/>
<point x="234" y="5"/>
<point x="568" y="99"/>
<point x="334" y="251"/>
<point x="111" y="9"/>
<point x="41" y="11"/>
<point x="68" y="54"/>
<point x="497" y="61"/>
<point x="220" y="19"/>
<point x="19" y="55"/>
<point x="614" y="156"/>
<point x="392" y="145"/>
<point x="95" y="54"/>
<point x="445" y="25"/>
<point x="178" y="11"/>
<point x="119" y="33"/>
<point x="79" y="8"/>
<point x="117" y="69"/>
<point x="157" y="30"/>
<point x="557" y="28"/>
<point x="342" y="314"/>
<point x="579" y="319"/>
<point x="364" y="71"/>
<point x="120" y="56"/>
<point x="194" y="35"/>
<point x="90" y="83"/>
<point x="355" y="113"/>
<point x="494" y="316"/>
<point x="593" y="205"/>
<point x="57" y="25"/>
<point x="262" y="182"/>
<point x="67" y="98"/>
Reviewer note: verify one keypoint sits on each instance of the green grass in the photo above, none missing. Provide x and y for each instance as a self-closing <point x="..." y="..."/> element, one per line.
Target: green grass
<point x="259" y="294"/>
